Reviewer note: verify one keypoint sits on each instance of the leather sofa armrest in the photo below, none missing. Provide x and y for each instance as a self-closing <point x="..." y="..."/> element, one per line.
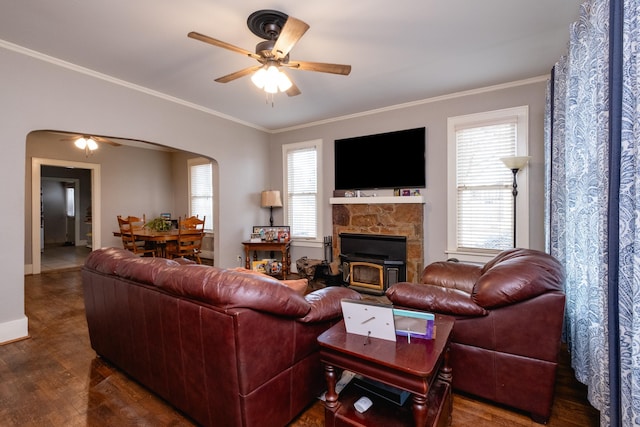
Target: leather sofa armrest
<point x="435" y="299"/>
<point x="325" y="303"/>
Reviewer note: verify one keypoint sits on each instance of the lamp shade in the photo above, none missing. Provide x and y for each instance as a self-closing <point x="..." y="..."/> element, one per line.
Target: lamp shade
<point x="515" y="162"/>
<point x="270" y="199"/>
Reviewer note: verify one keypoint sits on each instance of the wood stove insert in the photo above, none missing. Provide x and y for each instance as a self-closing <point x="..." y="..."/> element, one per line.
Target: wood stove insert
<point x="373" y="262"/>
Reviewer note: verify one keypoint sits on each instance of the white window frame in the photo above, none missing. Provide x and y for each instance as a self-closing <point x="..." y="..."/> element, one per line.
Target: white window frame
<point x="521" y="115"/>
<point x="286" y="148"/>
<point x="209" y="221"/>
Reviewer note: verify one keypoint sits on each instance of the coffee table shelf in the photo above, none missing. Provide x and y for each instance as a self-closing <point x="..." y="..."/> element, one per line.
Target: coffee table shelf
<point x="419" y="366"/>
<point x="383" y="413"/>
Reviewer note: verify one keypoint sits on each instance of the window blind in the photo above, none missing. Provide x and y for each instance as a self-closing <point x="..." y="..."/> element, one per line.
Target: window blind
<point x="201" y="192"/>
<point x="302" y="192"/>
<point x="484" y="185"/>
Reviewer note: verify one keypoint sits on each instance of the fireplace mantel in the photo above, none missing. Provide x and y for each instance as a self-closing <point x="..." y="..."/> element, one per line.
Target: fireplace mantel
<point x="375" y="200"/>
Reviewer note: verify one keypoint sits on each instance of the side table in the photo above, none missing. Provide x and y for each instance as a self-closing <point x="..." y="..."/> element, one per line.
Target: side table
<point x="420" y="367"/>
<point x="282" y="247"/>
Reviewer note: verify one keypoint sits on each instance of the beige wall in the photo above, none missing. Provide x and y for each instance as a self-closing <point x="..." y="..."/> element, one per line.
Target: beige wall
<point x="433" y="115"/>
<point x="39" y="94"/>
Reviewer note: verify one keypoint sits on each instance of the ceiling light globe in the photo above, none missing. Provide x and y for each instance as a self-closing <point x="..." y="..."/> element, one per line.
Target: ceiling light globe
<point x="81" y="143"/>
<point x="259" y="78"/>
<point x="272" y="73"/>
<point x="92" y="144"/>
<point x="283" y="82"/>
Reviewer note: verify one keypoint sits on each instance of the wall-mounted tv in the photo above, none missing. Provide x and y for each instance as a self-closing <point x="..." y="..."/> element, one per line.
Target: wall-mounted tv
<point x="385" y="160"/>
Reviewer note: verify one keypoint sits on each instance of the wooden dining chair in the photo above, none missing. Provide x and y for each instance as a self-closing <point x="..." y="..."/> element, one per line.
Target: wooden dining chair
<point x="190" y="235"/>
<point x="128" y="227"/>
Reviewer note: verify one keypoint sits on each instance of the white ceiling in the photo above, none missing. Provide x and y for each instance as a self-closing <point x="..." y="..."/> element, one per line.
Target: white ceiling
<point x="400" y="51"/>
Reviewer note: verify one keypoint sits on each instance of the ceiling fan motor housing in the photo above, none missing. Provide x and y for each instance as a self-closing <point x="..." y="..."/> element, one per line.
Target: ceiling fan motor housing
<point x="267" y="24"/>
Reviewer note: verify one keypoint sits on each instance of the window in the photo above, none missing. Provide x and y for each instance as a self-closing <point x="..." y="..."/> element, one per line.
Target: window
<point x="70" y="194"/>
<point x="201" y="190"/>
<point x="480" y="198"/>
<point x="301" y="183"/>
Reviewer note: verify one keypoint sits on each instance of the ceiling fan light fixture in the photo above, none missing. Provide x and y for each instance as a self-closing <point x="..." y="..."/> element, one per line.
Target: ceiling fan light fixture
<point x="271" y="79"/>
<point x="87" y="144"/>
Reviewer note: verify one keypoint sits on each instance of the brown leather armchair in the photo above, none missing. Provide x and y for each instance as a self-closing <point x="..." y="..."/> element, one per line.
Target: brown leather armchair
<point x="509" y="316"/>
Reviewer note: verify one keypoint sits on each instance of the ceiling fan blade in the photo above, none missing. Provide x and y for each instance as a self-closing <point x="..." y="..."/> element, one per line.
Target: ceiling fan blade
<point x="293" y="90"/>
<point x="107" y="141"/>
<point x="238" y="74"/>
<point x="320" y="67"/>
<point x="224" y="45"/>
<point x="292" y="31"/>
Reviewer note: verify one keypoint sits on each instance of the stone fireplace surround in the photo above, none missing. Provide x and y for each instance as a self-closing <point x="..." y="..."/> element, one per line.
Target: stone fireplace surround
<point x="400" y="216"/>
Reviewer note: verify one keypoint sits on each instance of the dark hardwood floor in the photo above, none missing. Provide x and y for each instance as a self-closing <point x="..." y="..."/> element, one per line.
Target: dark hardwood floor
<point x="55" y="379"/>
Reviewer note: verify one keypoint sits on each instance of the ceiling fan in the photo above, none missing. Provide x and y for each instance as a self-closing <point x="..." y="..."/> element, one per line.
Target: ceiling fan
<point x="88" y="143"/>
<point x="281" y="32"/>
<point x="75" y="136"/>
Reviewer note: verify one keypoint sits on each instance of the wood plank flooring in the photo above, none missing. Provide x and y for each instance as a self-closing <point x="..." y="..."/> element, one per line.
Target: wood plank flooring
<point x="55" y="379"/>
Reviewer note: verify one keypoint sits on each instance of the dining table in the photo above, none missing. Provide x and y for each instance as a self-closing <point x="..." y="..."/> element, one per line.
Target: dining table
<point x="161" y="239"/>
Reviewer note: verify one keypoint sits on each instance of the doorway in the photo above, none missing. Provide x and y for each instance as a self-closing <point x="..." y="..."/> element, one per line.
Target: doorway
<point x="66" y="196"/>
<point x="37" y="223"/>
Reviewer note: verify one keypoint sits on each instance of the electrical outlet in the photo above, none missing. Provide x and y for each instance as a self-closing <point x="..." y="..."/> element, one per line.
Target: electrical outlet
<point x="240" y="259"/>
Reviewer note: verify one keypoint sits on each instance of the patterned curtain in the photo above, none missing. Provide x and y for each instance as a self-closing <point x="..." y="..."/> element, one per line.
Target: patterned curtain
<point x="592" y="202"/>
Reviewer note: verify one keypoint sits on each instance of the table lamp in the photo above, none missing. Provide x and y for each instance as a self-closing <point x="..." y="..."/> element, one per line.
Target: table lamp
<point x="271" y="199"/>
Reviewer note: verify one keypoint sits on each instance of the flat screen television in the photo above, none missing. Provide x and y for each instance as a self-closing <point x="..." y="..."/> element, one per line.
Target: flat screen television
<point x="385" y="160"/>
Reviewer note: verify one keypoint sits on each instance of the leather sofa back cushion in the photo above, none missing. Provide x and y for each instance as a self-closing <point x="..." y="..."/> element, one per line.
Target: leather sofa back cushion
<point x="230" y="289"/>
<point x="106" y="260"/>
<point x="516" y="276"/>
<point x="454" y="275"/>
<point x="142" y="270"/>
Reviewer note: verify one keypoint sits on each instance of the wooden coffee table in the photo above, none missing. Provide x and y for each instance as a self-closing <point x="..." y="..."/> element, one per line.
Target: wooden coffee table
<point x="420" y="367"/>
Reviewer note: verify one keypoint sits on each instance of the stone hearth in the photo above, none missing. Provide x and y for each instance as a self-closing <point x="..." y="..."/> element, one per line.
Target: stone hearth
<point x="399" y="219"/>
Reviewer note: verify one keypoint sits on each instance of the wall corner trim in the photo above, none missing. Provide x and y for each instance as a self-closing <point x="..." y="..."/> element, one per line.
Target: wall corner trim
<point x="14" y="330"/>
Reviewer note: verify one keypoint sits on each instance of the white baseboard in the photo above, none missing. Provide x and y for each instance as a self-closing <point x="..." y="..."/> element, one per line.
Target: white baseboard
<point x="28" y="269"/>
<point x="14" y="330"/>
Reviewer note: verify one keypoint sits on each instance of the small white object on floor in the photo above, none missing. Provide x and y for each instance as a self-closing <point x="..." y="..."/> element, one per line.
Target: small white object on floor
<point x="363" y="404"/>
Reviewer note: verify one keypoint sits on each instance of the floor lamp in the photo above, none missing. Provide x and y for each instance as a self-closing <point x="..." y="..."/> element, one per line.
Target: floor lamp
<point x="270" y="199"/>
<point x="515" y="163"/>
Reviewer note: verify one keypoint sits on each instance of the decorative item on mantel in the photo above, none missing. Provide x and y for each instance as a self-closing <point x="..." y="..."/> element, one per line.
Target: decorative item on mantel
<point x="270" y="199"/>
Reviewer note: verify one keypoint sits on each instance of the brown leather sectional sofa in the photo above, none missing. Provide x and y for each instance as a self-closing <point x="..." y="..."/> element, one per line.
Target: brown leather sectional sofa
<point x="509" y="316"/>
<point x="224" y="347"/>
